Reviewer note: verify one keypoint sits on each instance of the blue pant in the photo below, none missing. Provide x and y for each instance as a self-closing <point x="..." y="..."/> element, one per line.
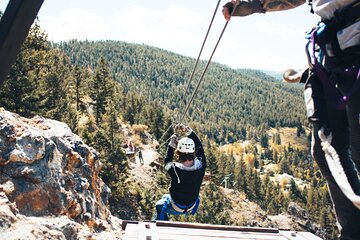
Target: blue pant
<point x="164" y="203"/>
<point x="164" y="207"/>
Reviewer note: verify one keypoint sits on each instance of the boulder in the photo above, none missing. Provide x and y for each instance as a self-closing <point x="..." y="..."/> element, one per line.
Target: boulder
<point x="46" y="170"/>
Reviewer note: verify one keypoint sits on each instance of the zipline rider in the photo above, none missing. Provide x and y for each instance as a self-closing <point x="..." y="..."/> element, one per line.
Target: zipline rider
<point x="186" y="174"/>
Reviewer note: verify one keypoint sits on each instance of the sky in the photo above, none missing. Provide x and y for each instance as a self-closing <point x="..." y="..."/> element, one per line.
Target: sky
<point x="272" y="41"/>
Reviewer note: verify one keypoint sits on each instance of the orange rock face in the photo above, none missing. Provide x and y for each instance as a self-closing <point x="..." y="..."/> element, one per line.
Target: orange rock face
<point x="48" y="170"/>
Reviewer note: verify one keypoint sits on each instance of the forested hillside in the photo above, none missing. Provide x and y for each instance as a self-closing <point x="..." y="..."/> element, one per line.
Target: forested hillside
<point x="96" y="87"/>
<point x="229" y="104"/>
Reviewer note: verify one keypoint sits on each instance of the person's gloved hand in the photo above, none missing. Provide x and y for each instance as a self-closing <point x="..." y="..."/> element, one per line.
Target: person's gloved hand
<point x="181" y="129"/>
<point x="227" y="10"/>
<point x="174" y="139"/>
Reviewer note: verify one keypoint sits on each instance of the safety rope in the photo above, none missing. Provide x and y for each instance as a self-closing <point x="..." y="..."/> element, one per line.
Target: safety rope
<point x="337" y="170"/>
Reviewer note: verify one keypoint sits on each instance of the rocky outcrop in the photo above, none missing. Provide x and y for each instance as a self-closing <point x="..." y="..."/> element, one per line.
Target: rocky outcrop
<point x="17" y="226"/>
<point x="295" y="219"/>
<point x="46" y="170"/>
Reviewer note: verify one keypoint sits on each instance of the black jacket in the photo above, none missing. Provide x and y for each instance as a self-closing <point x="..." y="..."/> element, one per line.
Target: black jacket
<point x="186" y="183"/>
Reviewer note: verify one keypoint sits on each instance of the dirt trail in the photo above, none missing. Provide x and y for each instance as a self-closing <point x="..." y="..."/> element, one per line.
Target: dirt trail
<point x="144" y="173"/>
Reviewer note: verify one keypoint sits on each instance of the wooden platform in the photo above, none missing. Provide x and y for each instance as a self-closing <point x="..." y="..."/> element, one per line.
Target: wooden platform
<point x="161" y="230"/>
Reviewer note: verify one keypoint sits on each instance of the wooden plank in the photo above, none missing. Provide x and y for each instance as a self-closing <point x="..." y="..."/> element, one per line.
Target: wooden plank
<point x="131" y="231"/>
<point x="162" y="230"/>
<point x="124" y="223"/>
<point x="309" y="236"/>
<point x="187" y="233"/>
<point x="147" y="231"/>
<point x="293" y="235"/>
<point x="215" y="227"/>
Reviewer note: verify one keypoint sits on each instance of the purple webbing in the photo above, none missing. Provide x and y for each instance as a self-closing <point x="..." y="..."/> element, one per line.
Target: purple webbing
<point x="332" y="94"/>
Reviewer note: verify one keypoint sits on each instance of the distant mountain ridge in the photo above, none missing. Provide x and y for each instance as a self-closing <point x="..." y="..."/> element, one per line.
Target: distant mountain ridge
<point x="229" y="102"/>
<point x="278" y="75"/>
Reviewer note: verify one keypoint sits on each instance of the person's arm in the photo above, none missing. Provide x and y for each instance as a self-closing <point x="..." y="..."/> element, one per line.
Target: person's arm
<point x="281" y="5"/>
<point x="199" y="150"/>
<point x="171" y="148"/>
<point x="248" y="7"/>
<point x="169" y="155"/>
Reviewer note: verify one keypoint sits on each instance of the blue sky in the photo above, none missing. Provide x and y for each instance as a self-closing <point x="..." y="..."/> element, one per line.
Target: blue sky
<point x="272" y="41"/>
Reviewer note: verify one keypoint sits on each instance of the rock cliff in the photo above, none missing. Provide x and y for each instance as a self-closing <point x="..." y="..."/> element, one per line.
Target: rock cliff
<point x="49" y="174"/>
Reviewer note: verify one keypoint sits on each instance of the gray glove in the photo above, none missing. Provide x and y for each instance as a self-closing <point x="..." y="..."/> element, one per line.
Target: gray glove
<point x="181" y="129"/>
<point x="174" y="139"/>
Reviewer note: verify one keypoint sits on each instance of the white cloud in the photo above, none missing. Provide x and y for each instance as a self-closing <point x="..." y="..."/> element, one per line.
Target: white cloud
<point x="278" y="29"/>
<point x="182" y="29"/>
<point x="174" y="27"/>
<point x="75" y="23"/>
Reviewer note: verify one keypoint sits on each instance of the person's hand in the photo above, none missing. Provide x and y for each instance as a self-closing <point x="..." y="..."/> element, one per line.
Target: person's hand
<point x="227" y="9"/>
<point x="174" y="139"/>
<point x="181" y="129"/>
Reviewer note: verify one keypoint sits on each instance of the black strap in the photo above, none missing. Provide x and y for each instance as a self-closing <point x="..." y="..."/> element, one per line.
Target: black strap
<point x="343" y="18"/>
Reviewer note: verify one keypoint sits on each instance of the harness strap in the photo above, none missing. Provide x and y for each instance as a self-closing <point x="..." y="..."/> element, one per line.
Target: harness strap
<point x="163" y="210"/>
<point x="343" y="18"/>
<point x="179" y="208"/>
<point x="185" y="209"/>
<point x="332" y="93"/>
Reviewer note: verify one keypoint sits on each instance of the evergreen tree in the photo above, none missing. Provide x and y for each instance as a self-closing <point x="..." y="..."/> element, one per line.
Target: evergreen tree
<point x="240" y="176"/>
<point x="295" y="193"/>
<point x="53" y="89"/>
<point x="19" y="91"/>
<point x="284" y="166"/>
<point x="212" y="164"/>
<point x="101" y="89"/>
<point x="264" y="140"/>
<point x="277" y="138"/>
<point x="78" y="86"/>
<point x="213" y="206"/>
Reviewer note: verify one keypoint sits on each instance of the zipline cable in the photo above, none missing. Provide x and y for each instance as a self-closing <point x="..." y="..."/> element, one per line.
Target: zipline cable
<point x="203" y="74"/>
<point x="196" y="63"/>
<point x="202" y="47"/>
<point x="206" y="67"/>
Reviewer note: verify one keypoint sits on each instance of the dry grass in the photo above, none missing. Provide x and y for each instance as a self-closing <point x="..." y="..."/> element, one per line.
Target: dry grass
<point x="288" y="135"/>
<point x="139" y="128"/>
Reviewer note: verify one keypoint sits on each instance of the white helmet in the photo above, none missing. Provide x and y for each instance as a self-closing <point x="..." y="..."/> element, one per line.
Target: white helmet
<point x="186" y="145"/>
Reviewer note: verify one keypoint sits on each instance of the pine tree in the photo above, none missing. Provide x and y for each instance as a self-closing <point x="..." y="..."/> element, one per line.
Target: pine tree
<point x="101" y="89"/>
<point x="156" y="122"/>
<point x="212" y="208"/>
<point x="78" y="85"/>
<point x="212" y="163"/>
<point x="53" y="89"/>
<point x="112" y="126"/>
<point x="264" y="140"/>
<point x="277" y="138"/>
<point x="19" y="91"/>
<point x="240" y="176"/>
